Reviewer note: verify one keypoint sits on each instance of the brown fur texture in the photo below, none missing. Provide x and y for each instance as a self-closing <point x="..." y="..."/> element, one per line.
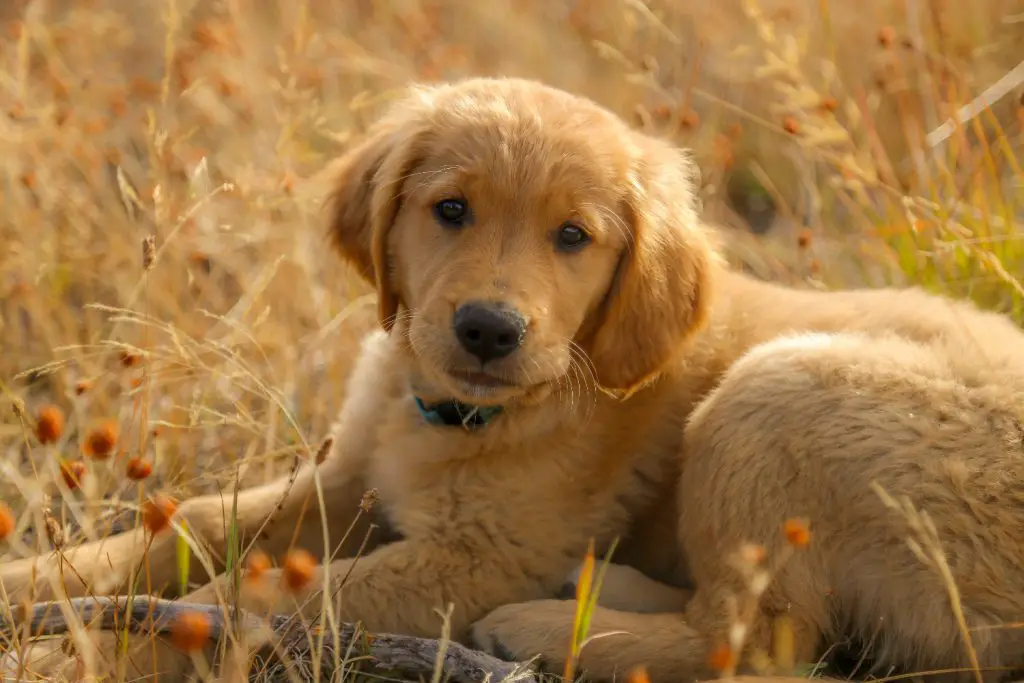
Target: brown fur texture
<point x="657" y="398"/>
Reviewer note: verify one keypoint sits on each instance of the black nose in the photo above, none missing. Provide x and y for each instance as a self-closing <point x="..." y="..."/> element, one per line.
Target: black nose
<point x="487" y="330"/>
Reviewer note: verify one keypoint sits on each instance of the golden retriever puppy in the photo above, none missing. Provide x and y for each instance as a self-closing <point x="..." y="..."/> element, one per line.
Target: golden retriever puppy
<point x="564" y="358"/>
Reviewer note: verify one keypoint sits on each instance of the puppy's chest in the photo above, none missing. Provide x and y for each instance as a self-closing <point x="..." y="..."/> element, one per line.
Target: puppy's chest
<point x="436" y="481"/>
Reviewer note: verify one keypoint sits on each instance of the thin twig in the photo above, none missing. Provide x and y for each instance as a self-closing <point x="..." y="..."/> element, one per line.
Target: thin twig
<point x="154" y="616"/>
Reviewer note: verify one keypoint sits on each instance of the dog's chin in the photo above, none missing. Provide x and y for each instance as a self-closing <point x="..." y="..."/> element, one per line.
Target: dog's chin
<point x="482" y="388"/>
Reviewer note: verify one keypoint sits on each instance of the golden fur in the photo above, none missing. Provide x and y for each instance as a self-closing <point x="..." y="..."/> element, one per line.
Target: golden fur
<point x="658" y="397"/>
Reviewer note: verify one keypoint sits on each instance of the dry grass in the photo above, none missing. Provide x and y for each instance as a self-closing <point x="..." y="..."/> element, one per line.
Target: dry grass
<point x="164" y="282"/>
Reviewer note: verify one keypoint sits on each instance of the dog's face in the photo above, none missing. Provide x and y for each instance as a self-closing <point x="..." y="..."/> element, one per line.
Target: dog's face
<point x="520" y="236"/>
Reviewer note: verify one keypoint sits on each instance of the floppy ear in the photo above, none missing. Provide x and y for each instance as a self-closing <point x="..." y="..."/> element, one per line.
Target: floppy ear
<point x="660" y="294"/>
<point x="367" y="183"/>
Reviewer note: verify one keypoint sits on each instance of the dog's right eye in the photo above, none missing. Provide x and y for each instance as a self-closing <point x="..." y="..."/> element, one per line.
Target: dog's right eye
<point x="451" y="212"/>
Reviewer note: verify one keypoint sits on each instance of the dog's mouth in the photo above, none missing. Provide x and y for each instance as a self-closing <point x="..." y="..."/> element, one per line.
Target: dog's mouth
<point x="481" y="380"/>
<point x="489" y="388"/>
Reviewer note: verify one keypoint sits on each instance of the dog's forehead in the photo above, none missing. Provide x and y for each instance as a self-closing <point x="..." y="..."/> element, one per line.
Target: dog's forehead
<point x="529" y="146"/>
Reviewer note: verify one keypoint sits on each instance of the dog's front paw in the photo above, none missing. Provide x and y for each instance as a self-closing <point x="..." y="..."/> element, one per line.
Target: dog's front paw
<point x="539" y="632"/>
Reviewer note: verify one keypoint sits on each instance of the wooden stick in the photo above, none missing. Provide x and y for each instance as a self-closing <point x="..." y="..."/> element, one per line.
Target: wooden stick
<point x="294" y="640"/>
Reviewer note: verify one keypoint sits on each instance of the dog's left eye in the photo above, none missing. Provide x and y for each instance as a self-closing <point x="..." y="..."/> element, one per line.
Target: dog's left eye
<point x="451" y="212"/>
<point x="572" y="237"/>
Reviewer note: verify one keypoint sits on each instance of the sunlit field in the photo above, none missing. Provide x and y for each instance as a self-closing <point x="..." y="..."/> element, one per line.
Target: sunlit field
<point x="171" y="317"/>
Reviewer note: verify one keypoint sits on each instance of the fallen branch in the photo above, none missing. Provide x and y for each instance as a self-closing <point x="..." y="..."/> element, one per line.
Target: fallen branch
<point x="294" y="644"/>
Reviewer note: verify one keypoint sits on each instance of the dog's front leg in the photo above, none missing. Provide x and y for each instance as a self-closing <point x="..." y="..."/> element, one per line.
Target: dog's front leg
<point x="407" y="586"/>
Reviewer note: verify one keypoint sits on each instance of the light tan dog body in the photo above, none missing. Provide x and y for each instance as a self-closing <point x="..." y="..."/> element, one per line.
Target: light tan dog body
<point x="735" y="423"/>
<point x="911" y="392"/>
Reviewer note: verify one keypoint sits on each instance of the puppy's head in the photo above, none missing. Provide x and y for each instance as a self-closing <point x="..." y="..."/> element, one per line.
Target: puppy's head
<point x="520" y="236"/>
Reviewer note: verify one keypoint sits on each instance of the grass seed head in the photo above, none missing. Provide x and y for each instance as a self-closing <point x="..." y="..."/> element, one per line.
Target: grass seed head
<point x="148" y="251"/>
<point x="368" y="500"/>
<point x="72" y="472"/>
<point x="324" y="450"/>
<point x="54" y="530"/>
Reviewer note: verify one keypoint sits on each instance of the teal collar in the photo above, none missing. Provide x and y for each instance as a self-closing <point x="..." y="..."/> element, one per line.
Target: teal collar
<point x="457" y="414"/>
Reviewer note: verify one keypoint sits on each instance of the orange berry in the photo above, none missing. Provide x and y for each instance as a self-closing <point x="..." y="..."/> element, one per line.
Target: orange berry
<point x="225" y="87"/>
<point x="299" y="567"/>
<point x="288" y="182"/>
<point x="94" y="126"/>
<point x="724" y="154"/>
<point x="82" y="386"/>
<point x="99" y="443"/>
<point x="690" y="119"/>
<point x="118" y="105"/>
<point x="139" y="469"/>
<point x="753" y="554"/>
<point x="20" y="289"/>
<point x="6" y="521"/>
<point x="638" y="674"/>
<point x="797" y="533"/>
<point x="190" y="631"/>
<point x="257" y="565"/>
<point x="803" y="238"/>
<point x="886" y="36"/>
<point x="141" y="87"/>
<point x="128" y="359"/>
<point x="72" y="472"/>
<point x="157" y="513"/>
<point x="207" y="35"/>
<point x="790" y="125"/>
<point x="721" y="657"/>
<point x="49" y="424"/>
